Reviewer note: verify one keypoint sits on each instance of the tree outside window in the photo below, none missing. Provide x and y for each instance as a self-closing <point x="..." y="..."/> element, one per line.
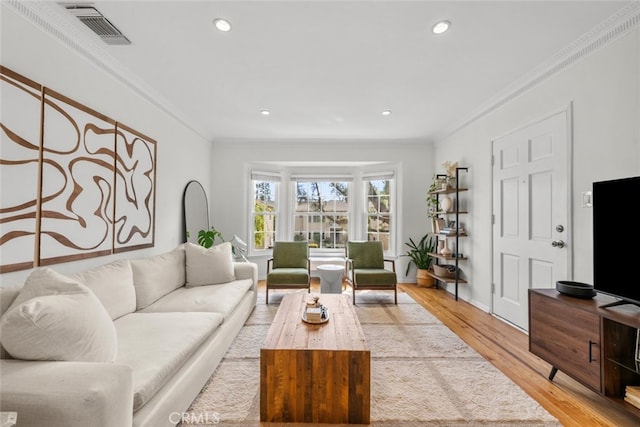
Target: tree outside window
<point x="322" y="213"/>
<point x="264" y="214"/>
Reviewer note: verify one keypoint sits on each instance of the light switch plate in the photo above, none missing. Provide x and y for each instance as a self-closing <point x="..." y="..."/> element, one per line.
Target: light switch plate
<point x="586" y="199"/>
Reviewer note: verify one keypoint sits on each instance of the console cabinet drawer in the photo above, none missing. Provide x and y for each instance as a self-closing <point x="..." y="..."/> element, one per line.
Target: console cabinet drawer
<point x="567" y="337"/>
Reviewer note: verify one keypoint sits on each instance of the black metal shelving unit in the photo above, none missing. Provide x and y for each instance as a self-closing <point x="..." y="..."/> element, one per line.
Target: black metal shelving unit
<point x="457" y="280"/>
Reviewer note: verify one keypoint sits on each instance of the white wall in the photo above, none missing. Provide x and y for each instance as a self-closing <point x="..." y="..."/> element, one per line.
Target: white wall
<point x="181" y="154"/>
<point x="604" y="89"/>
<point x="230" y="176"/>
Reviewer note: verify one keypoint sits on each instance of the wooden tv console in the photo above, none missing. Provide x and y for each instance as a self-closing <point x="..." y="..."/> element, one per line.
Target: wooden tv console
<point x="595" y="346"/>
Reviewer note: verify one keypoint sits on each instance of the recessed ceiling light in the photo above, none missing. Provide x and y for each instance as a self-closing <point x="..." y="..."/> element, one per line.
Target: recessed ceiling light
<point x="222" y="24"/>
<point x="386" y="112"/>
<point x="441" y="27"/>
<point x="265" y="112"/>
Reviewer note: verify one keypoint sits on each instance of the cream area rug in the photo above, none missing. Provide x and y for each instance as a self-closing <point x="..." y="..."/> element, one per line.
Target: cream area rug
<point x="422" y="374"/>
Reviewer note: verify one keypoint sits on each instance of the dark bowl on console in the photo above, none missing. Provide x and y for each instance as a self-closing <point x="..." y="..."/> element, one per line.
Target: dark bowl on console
<point x="575" y="289"/>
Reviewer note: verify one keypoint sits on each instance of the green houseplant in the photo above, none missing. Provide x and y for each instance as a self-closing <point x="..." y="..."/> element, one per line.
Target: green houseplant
<point x="207" y="238"/>
<point x="432" y="200"/>
<point x="420" y="255"/>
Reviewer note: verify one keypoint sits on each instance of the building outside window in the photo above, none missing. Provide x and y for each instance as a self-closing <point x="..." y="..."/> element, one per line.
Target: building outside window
<point x="321" y="214"/>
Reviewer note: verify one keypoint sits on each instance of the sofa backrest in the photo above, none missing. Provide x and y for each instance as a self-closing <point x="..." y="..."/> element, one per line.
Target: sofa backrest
<point x="113" y="285"/>
<point x="156" y="276"/>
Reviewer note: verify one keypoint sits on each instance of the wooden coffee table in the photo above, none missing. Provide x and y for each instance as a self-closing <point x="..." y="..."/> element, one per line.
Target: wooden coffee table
<point x="315" y="373"/>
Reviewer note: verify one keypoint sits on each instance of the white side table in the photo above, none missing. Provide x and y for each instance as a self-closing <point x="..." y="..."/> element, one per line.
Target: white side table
<point x="330" y="278"/>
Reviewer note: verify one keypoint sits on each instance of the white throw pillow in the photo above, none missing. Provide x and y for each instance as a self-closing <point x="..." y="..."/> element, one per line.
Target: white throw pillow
<point x="209" y="266"/>
<point x="56" y="318"/>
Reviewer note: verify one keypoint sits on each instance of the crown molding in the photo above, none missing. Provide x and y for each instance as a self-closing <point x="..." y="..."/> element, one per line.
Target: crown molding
<point x="616" y="26"/>
<point x="54" y="20"/>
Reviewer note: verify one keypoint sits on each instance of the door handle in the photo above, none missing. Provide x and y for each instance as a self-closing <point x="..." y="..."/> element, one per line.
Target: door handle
<point x="557" y="244"/>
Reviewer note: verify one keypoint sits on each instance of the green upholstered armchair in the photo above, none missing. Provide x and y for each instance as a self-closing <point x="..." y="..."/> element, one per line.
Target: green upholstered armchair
<point x="366" y="268"/>
<point x="289" y="268"/>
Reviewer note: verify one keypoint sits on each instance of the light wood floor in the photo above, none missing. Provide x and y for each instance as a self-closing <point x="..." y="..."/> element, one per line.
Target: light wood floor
<point x="507" y="348"/>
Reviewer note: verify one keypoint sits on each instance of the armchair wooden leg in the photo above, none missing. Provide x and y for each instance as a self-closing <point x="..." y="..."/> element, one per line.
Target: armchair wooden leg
<point x="395" y="292"/>
<point x="267" y="295"/>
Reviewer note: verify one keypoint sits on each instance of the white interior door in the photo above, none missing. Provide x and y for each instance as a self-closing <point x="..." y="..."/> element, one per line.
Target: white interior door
<point x="531" y="244"/>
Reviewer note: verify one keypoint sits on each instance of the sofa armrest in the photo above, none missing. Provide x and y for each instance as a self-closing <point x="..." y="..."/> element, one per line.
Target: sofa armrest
<point x="247" y="270"/>
<point x="67" y="394"/>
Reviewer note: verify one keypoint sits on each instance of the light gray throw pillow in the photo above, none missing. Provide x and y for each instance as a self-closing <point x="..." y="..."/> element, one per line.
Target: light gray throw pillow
<point x="156" y="276"/>
<point x="209" y="266"/>
<point x="56" y="318"/>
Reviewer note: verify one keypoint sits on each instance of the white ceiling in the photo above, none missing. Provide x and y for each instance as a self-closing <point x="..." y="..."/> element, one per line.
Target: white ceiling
<point x="327" y="69"/>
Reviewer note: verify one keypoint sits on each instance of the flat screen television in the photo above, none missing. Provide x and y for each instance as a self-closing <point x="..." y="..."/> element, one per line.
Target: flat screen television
<point x="616" y="239"/>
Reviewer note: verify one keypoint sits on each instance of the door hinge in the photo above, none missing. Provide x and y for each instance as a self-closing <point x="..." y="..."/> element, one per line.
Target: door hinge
<point x="493" y="160"/>
<point x="493" y="288"/>
<point x="493" y="219"/>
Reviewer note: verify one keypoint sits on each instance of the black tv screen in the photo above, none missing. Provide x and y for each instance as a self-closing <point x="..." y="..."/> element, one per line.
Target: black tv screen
<point x="616" y="238"/>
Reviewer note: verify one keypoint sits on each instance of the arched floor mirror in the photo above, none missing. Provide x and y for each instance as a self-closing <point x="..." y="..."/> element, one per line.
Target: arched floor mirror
<point x="195" y="211"/>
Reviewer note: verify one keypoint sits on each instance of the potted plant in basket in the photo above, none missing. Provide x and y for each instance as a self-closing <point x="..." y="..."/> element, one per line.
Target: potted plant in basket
<point x="420" y="255"/>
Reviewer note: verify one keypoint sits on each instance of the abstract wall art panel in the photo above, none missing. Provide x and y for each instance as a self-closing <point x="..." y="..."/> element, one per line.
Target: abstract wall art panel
<point x="135" y="189"/>
<point x="77" y="201"/>
<point x="21" y="105"/>
<point x="74" y="184"/>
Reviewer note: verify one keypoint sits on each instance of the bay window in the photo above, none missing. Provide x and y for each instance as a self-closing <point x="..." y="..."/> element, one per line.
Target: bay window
<point x="325" y="210"/>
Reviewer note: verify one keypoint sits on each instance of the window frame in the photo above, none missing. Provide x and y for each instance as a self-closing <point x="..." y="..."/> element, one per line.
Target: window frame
<point x="392" y="213"/>
<point x="275" y="179"/>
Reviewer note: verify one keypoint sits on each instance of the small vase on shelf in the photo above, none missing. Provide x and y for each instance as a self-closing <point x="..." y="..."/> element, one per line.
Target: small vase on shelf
<point x="446" y="203"/>
<point x="445" y="251"/>
<point x="451" y="182"/>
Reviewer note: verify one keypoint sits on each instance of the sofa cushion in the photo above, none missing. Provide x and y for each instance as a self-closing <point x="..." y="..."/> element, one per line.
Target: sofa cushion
<point x="56" y="318"/>
<point x="113" y="285"/>
<point x="156" y="345"/>
<point x="209" y="266"/>
<point x="156" y="276"/>
<point x="221" y="299"/>
<point x="375" y="277"/>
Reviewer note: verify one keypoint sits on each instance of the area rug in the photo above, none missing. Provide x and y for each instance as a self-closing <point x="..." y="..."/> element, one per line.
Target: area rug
<point x="422" y="374"/>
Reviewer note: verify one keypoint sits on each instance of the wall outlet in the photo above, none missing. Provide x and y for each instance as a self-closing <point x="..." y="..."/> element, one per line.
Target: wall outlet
<point x="586" y="199"/>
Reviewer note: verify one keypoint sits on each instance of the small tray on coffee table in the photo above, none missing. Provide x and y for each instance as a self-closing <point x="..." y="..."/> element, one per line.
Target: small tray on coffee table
<point x="323" y="319"/>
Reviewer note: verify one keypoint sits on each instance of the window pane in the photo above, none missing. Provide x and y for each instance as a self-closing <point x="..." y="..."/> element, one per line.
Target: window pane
<point x="264" y="214"/>
<point x="265" y="191"/>
<point x="300" y="225"/>
<point x="320" y="213"/>
<point x="264" y="231"/>
<point x="379" y="211"/>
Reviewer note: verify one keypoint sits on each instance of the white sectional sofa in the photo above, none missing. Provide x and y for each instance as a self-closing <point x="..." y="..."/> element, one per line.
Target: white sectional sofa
<point x="127" y="343"/>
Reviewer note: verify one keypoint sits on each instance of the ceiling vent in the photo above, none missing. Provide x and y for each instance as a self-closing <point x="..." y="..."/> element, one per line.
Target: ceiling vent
<point x="100" y="25"/>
